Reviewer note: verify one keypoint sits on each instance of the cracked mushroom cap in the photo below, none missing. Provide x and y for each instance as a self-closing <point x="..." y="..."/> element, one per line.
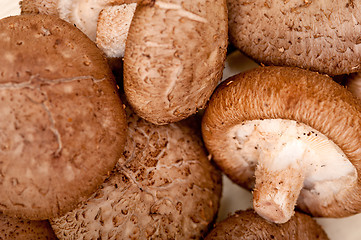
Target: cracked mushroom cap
<point x="163" y="187"/>
<point x="63" y="124"/>
<point x="174" y="57"/>
<point x="19" y="229"/>
<point x="248" y="225"/>
<point x="322" y="36"/>
<point x="291" y="135"/>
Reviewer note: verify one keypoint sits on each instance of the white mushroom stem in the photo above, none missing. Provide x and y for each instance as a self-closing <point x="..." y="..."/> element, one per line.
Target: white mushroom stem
<point x="291" y="162"/>
<point x="279" y="180"/>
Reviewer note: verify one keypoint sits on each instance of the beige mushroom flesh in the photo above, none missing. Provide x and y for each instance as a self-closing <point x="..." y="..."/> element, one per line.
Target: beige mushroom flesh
<point x="20" y="229"/>
<point x="292" y="136"/>
<point x="106" y="22"/>
<point x="248" y="225"/>
<point x="163" y="187"/>
<point x="63" y="124"/>
<point x="323" y="36"/>
<point x="174" y="57"/>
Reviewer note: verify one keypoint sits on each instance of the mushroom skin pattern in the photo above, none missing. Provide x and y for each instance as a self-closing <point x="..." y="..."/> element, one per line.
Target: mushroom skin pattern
<point x="63" y="124"/>
<point x="163" y="187"/>
<point x="298" y="132"/>
<point x="320" y="35"/>
<point x="174" y="57"/>
<point x="248" y="225"/>
<point x="20" y="229"/>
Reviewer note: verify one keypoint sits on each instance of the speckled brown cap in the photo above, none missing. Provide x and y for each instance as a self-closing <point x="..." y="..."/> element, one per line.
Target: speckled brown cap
<point x="62" y="122"/>
<point x="292" y="94"/>
<point x="174" y="57"/>
<point x="322" y="36"/>
<point x="164" y="187"/>
<point x="248" y="225"/>
<point x="18" y="229"/>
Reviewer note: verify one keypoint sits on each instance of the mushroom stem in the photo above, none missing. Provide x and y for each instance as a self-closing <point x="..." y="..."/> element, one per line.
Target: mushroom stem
<point x="279" y="180"/>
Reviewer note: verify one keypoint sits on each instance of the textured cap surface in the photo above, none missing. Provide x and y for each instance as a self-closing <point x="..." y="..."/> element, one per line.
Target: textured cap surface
<point x="322" y="35"/>
<point x="62" y="122"/>
<point x="163" y="187"/>
<point x="17" y="229"/>
<point x="174" y="57"/>
<point x="288" y="93"/>
<point x="248" y="225"/>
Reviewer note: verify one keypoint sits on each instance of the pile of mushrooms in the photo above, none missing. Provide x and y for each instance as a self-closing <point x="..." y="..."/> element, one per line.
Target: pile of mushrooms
<point x="71" y="152"/>
<point x="163" y="187"/>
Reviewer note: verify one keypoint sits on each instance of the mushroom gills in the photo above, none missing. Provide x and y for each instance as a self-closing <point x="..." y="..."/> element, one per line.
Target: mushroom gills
<point x="288" y="158"/>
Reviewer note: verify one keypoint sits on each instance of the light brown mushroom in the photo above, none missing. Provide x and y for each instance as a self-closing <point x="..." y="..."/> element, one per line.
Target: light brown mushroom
<point x="291" y="135"/>
<point x="62" y="125"/>
<point x="164" y="187"/>
<point x="322" y="36"/>
<point x="248" y="225"/>
<point x="19" y="229"/>
<point x="174" y="57"/>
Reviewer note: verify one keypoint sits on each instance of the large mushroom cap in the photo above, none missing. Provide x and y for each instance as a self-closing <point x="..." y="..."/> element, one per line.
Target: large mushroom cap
<point x="248" y="225"/>
<point x="163" y="187"/>
<point x="297" y="132"/>
<point x="323" y="36"/>
<point x="174" y="57"/>
<point x="62" y="123"/>
<point x="19" y="229"/>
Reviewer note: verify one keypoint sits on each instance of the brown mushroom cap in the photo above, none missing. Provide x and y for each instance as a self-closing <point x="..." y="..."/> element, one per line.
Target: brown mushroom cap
<point x="248" y="225"/>
<point x="174" y="57"/>
<point x="63" y="124"/>
<point x="18" y="229"/>
<point x="323" y="36"/>
<point x="163" y="187"/>
<point x="292" y="94"/>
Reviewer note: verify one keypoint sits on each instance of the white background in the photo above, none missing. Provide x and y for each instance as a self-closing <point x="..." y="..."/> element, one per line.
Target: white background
<point x="234" y="197"/>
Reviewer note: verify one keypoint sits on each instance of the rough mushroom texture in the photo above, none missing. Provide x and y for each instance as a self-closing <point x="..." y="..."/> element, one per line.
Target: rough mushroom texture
<point x="63" y="124"/>
<point x="297" y="131"/>
<point x="174" y="57"/>
<point x="248" y="225"/>
<point x="322" y="35"/>
<point x="18" y="229"/>
<point x="164" y="187"/>
<point x="113" y="26"/>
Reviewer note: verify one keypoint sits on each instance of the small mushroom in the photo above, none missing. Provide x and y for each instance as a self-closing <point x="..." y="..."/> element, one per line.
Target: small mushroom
<point x="174" y="57"/>
<point x="322" y="36"/>
<point x="19" y="229"/>
<point x="248" y="225"/>
<point x="62" y="124"/>
<point x="291" y="135"/>
<point x="163" y="187"/>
